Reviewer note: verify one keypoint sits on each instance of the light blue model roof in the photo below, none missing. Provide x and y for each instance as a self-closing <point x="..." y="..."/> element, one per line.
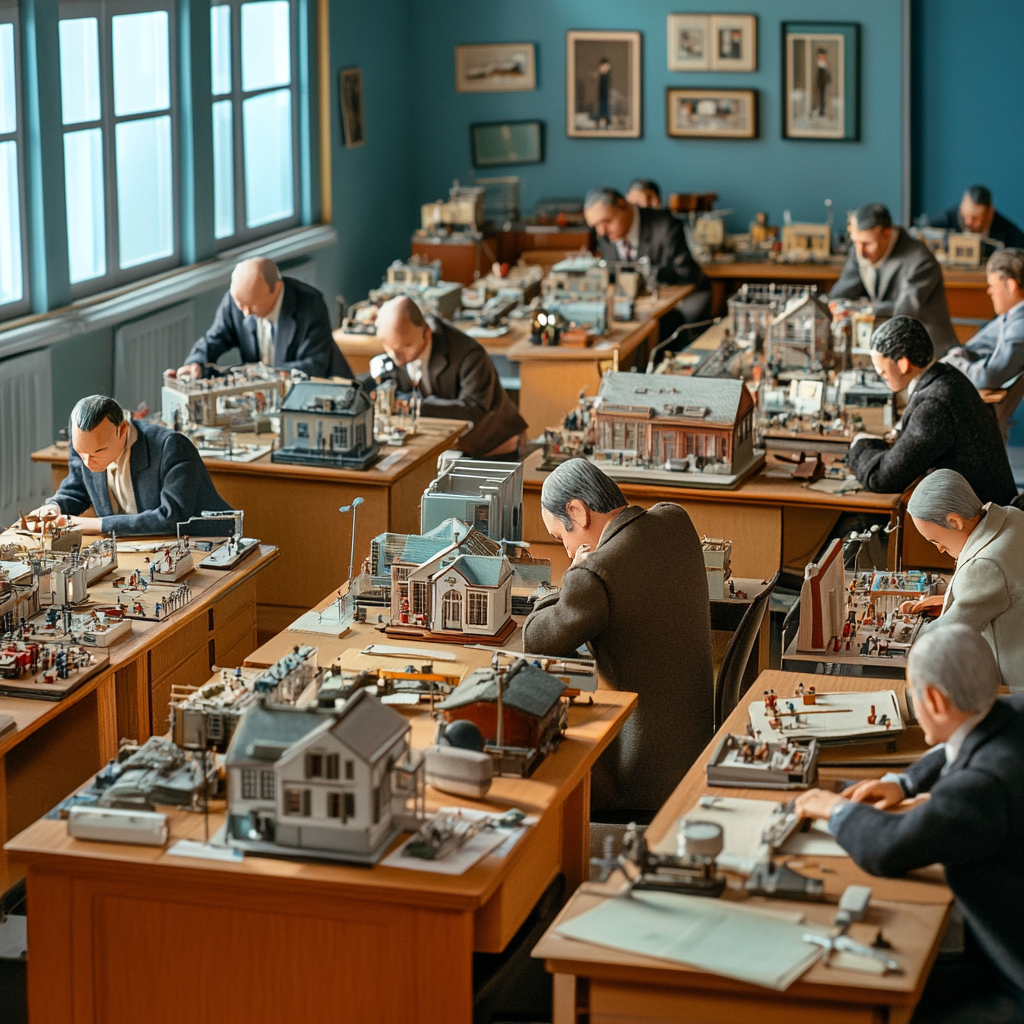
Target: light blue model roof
<point x="482" y="570"/>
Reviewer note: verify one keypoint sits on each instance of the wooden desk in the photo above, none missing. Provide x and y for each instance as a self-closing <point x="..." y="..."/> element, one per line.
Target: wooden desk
<point x="551" y="378"/>
<point x="59" y="744"/>
<point x="124" y="933"/>
<point x="912" y="911"/>
<point x="296" y="509"/>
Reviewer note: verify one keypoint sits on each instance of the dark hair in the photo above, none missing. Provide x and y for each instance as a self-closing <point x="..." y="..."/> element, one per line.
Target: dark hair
<point x="872" y="215"/>
<point x="605" y="195"/>
<point x="581" y="480"/>
<point x="644" y="185"/>
<point x="979" y="194"/>
<point x="1008" y="262"/>
<point x="903" y="337"/>
<point x="90" y="412"/>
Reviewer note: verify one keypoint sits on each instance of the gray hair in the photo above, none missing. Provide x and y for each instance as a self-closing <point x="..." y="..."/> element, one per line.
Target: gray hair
<point x="979" y="194"/>
<point x="90" y="412"/>
<point x="582" y="480"/>
<point x="943" y="493"/>
<point x="605" y="195"/>
<point x="871" y="215"/>
<point x="1009" y="262"/>
<point x="959" y="662"/>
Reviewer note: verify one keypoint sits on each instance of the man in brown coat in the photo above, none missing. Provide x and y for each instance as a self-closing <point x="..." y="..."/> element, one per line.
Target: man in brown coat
<point x="636" y="595"/>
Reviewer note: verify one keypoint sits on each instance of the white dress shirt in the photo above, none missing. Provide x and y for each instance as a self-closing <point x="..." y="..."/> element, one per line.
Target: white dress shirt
<point x="417" y="370"/>
<point x="629" y="247"/>
<point x="119" y="479"/>
<point x="265" y="331"/>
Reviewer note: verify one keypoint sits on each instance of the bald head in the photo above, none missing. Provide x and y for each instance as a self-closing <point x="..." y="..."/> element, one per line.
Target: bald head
<point x="402" y="330"/>
<point x="255" y="286"/>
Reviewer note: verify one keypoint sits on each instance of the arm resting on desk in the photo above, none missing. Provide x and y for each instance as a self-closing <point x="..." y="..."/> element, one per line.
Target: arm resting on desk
<point x="561" y="623"/>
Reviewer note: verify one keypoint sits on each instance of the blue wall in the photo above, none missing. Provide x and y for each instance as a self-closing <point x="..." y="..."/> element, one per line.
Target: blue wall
<point x="968" y="102"/>
<point x="766" y="173"/>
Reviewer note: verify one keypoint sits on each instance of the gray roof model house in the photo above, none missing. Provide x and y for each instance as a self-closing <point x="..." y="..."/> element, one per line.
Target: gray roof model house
<point x="327" y="424"/>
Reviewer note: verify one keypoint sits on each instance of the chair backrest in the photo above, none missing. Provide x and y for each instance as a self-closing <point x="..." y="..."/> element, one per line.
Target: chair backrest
<point x="1011" y="399"/>
<point x="728" y="688"/>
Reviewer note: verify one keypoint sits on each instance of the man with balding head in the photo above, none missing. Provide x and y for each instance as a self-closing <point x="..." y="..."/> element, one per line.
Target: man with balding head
<point x="279" y="321"/>
<point x="454" y="376"/>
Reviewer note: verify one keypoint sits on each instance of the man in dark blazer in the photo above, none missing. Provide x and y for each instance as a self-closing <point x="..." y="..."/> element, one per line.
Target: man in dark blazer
<point x="977" y="214"/>
<point x="139" y="477"/>
<point x="897" y="273"/>
<point x="972" y="821"/>
<point x="270" y="319"/>
<point x="636" y="595"/>
<point x="945" y="425"/>
<point x="628" y="232"/>
<point x="454" y="377"/>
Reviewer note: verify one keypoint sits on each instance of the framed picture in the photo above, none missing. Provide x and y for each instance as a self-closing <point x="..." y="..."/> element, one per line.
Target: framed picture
<point x="820" y="80"/>
<point x="350" y="91"/>
<point x="712" y="42"/>
<point x="496" y="67"/>
<point x="507" y="142"/>
<point x="711" y="113"/>
<point x="602" y="97"/>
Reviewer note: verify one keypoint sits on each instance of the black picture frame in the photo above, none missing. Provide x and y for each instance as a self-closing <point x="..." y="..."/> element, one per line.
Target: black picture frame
<point x="350" y="101"/>
<point x="531" y="143"/>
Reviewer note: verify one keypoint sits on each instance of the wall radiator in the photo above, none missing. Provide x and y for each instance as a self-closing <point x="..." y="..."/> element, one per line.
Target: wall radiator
<point x="145" y="348"/>
<point x="26" y="425"/>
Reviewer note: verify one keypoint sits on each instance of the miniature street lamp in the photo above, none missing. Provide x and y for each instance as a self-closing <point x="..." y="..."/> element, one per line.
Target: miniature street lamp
<point x="356" y="502"/>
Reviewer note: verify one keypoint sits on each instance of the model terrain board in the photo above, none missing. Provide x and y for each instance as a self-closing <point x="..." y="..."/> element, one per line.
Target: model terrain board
<point x="826" y="717"/>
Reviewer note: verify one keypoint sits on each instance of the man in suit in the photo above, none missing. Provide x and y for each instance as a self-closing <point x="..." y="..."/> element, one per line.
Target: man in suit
<point x="635" y="594"/>
<point x="945" y="425"/>
<point x="977" y="214"/>
<point x="898" y="274"/>
<point x="643" y="192"/>
<point x="270" y="319"/>
<point x="454" y="376"/>
<point x="139" y="477"/>
<point x="972" y="822"/>
<point x="628" y="232"/>
<point x="995" y="355"/>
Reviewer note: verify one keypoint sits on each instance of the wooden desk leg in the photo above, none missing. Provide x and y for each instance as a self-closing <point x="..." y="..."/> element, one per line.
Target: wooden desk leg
<point x="564" y="1000"/>
<point x="106" y="715"/>
<point x="576" y="836"/>
<point x="132" y="688"/>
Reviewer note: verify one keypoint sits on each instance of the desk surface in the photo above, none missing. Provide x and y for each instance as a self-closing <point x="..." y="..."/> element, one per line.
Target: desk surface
<point x="768" y="270"/>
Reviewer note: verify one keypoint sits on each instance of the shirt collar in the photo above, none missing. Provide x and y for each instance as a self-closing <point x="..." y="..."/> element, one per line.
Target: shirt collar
<point x="956" y="742"/>
<point x="417" y="367"/>
<point x="276" y="311"/>
<point x="123" y="463"/>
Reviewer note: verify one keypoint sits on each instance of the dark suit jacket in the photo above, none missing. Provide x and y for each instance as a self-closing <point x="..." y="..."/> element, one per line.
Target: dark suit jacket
<point x="946" y="425"/>
<point x="170" y="482"/>
<point x="302" y="338"/>
<point x="909" y="284"/>
<point x="663" y="242"/>
<point x="464" y="385"/>
<point x="640" y="603"/>
<point x="1001" y="230"/>
<point x="973" y="824"/>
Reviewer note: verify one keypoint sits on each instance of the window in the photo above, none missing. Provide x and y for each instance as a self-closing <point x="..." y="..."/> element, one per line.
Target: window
<point x="419" y="598"/>
<point x="332" y="766"/>
<point x="333" y="805"/>
<point x="339" y="439"/>
<point x="297" y="801"/>
<point x="350" y="770"/>
<point x="248" y="783"/>
<point x="253" y="81"/>
<point x="477" y="605"/>
<point x="13" y="294"/>
<point x="117" y="106"/>
<point x="314" y="766"/>
<point x="350" y="806"/>
<point x="302" y="430"/>
<point x="266" y="785"/>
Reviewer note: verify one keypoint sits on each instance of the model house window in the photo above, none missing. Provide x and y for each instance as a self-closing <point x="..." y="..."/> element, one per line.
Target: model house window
<point x="350" y="770"/>
<point x="118" y="83"/>
<point x="248" y="783"/>
<point x="340" y="438"/>
<point x="314" y="766"/>
<point x="361" y="435"/>
<point x="302" y="430"/>
<point x="476" y="601"/>
<point x="266" y="785"/>
<point x="419" y="598"/>
<point x="333" y="805"/>
<point x="253" y="81"/>
<point x="13" y="294"/>
<point x="350" y="806"/>
<point x="331" y="763"/>
<point x="296" y="801"/>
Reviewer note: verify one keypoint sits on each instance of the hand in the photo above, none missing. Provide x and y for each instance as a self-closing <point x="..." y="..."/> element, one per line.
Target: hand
<point x="46" y="510"/>
<point x="931" y="606"/>
<point x="87" y="524"/>
<point x="818" y="803"/>
<point x="190" y="371"/>
<point x="581" y="555"/>
<point x="882" y="795"/>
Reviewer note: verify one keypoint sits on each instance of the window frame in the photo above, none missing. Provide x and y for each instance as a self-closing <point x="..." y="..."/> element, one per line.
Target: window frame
<point x="105" y="11"/>
<point x="10" y="15"/>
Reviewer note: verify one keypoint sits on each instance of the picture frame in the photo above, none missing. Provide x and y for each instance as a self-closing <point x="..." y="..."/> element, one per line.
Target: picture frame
<point x="496" y="67"/>
<point x="506" y="143"/>
<point x="711" y="113"/>
<point x="602" y="88"/>
<point x="350" y="99"/>
<point x="712" y="42"/>
<point x="821" y="81"/>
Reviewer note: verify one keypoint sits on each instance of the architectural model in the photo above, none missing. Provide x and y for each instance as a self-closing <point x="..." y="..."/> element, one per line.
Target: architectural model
<point x="462" y="213"/>
<point x="747" y="763"/>
<point x="753" y="307"/>
<point x="822" y="600"/>
<point x="486" y="495"/>
<point x="717" y="564"/>
<point x="826" y="717"/>
<point x="327" y="424"/>
<point x="521" y="282"/>
<point x="46" y="671"/>
<point x="239" y="399"/>
<point x="417" y="279"/>
<point x="800" y="335"/>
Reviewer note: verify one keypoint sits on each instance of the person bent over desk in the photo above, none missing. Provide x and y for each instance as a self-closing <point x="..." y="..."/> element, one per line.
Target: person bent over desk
<point x="971" y="821"/>
<point x="141" y="478"/>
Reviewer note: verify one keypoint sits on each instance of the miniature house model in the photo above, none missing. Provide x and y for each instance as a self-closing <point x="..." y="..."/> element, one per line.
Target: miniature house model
<point x="822" y="600"/>
<point x="422" y="275"/>
<point x="652" y="421"/>
<point x="577" y="277"/>
<point x="812" y="241"/>
<point x="233" y="400"/>
<point x="327" y="424"/>
<point x="315" y="783"/>
<point x="753" y="307"/>
<point x="487" y="495"/>
<point x="964" y="249"/>
<point x="800" y="336"/>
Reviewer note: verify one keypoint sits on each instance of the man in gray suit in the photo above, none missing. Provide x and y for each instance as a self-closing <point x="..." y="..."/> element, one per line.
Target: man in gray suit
<point x="898" y="274"/>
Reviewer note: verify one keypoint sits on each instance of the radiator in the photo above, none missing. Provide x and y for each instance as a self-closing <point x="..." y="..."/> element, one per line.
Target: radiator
<point x="145" y="348"/>
<point x="26" y="424"/>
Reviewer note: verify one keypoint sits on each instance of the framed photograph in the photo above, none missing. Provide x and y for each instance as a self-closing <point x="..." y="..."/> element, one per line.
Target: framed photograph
<point x="734" y="42"/>
<point x="821" y="80"/>
<point x="602" y="97"/>
<point x="711" y="113"/>
<point x="350" y="91"/>
<point x="507" y="142"/>
<point x="689" y="42"/>
<point x="496" y="67"/>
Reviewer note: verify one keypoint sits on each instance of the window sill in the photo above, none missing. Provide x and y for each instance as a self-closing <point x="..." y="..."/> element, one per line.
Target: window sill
<point x="115" y="307"/>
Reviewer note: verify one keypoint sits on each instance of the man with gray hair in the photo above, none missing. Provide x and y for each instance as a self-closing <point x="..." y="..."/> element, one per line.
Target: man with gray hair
<point x="636" y="595"/>
<point x="896" y="273"/>
<point x="972" y="821"/>
<point x="978" y="215"/>
<point x="139" y="477"/>
<point x="986" y="591"/>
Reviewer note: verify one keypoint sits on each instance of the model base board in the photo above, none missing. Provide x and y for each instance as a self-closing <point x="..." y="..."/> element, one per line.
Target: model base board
<point x="262" y="848"/>
<point x="419" y="633"/>
<point x="827" y="717"/>
<point x="705" y="481"/>
<point x="293" y="455"/>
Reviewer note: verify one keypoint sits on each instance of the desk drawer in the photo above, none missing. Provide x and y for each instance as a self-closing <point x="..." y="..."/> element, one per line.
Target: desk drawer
<point x="179" y="647"/>
<point x="194" y="671"/>
<point x="228" y="606"/>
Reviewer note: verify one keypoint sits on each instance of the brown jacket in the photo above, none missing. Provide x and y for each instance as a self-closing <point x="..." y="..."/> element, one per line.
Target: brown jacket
<point x="640" y="603"/>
